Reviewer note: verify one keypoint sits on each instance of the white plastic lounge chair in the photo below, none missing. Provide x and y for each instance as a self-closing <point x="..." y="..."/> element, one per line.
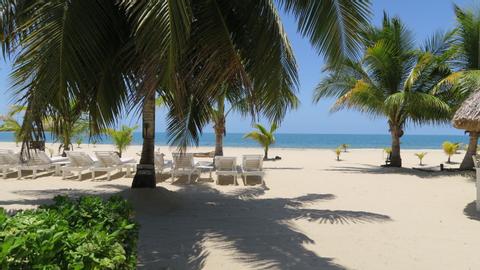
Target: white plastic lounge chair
<point x="38" y="161"/>
<point x="8" y="161"/>
<point x="226" y="166"/>
<point x="111" y="159"/>
<point x="183" y="165"/>
<point x="252" y="165"/>
<point x="160" y="163"/>
<point x="80" y="161"/>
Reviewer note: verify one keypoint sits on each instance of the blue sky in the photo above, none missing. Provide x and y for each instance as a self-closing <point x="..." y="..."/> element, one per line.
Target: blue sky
<point x="423" y="17"/>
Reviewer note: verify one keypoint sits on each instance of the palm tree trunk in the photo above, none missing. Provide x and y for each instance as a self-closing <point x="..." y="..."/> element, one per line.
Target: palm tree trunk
<point x="219" y="131"/>
<point x="467" y="162"/>
<point x="219" y="126"/>
<point x="395" y="159"/>
<point x="145" y="175"/>
<point x="265" y="157"/>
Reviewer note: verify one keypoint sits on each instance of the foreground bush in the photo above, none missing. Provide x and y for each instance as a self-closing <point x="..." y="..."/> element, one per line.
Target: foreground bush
<point x="86" y="233"/>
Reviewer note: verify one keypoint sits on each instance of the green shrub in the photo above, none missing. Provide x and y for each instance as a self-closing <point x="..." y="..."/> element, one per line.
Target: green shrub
<point x="86" y="233"/>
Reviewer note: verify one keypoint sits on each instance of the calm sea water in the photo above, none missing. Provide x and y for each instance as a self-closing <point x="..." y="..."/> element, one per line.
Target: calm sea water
<point x="306" y="140"/>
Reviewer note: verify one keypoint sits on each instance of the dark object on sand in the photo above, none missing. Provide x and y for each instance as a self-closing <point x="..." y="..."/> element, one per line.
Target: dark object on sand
<point x="278" y="158"/>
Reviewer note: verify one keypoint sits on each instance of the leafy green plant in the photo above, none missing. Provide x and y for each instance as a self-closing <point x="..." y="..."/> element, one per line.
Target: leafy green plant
<point x="420" y="156"/>
<point x="263" y="136"/>
<point x="122" y="138"/>
<point x="338" y="151"/>
<point x="86" y="233"/>
<point x="450" y="149"/>
<point x="344" y="146"/>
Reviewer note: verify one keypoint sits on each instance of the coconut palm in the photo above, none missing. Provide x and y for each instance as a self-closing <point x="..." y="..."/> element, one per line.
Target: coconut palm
<point x="263" y="136"/>
<point x="273" y="107"/>
<point x="10" y="122"/>
<point x="449" y="149"/>
<point x="338" y="151"/>
<point x="394" y="79"/>
<point x="420" y="157"/>
<point x="467" y="78"/>
<point x="122" y="138"/>
<point x="118" y="55"/>
<point x="344" y="146"/>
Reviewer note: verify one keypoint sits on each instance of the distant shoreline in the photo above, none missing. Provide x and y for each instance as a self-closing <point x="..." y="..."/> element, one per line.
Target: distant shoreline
<point x="299" y="141"/>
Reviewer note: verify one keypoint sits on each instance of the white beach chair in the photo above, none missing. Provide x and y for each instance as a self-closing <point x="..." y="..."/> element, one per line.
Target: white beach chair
<point x="160" y="163"/>
<point x="38" y="161"/>
<point x="252" y="165"/>
<point x="8" y="161"/>
<point x="226" y="166"/>
<point x="80" y="161"/>
<point x="183" y="164"/>
<point x="111" y="159"/>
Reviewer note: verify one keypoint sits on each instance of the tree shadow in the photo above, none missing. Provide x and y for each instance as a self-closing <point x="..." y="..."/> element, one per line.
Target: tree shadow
<point x="371" y="169"/>
<point x="471" y="211"/>
<point x="257" y="232"/>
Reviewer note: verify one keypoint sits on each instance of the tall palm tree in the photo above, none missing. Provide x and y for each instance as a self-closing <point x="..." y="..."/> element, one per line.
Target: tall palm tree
<point x="467" y="77"/>
<point x="394" y="79"/>
<point x="264" y="137"/>
<point x="115" y="55"/>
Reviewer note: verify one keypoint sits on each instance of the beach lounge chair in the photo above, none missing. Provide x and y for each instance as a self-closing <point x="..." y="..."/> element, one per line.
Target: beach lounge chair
<point x="38" y="161"/>
<point x="160" y="163"/>
<point x="226" y="166"/>
<point x="183" y="164"/>
<point x="111" y="159"/>
<point x="8" y="161"/>
<point x="80" y="161"/>
<point x="252" y="165"/>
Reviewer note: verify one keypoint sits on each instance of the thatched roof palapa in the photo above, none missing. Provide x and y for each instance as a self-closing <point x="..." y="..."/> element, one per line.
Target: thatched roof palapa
<point x="467" y="116"/>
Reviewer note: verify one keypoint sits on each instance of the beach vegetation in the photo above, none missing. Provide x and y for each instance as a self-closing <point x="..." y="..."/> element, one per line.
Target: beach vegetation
<point x="420" y="157"/>
<point x="265" y="137"/>
<point x="272" y="107"/>
<point x="466" y="79"/>
<point x="450" y="149"/>
<point x="11" y="123"/>
<point x="338" y="151"/>
<point x="122" y="137"/>
<point x="394" y="79"/>
<point x="83" y="233"/>
<point x="345" y="147"/>
<point x="115" y="56"/>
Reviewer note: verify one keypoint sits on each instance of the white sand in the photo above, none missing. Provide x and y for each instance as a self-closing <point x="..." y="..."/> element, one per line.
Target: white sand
<point x="315" y="213"/>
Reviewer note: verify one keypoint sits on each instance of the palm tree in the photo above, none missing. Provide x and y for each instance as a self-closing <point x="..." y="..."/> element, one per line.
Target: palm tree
<point x="467" y="61"/>
<point x="11" y="123"/>
<point x="394" y="79"/>
<point x="117" y="55"/>
<point x="273" y="107"/>
<point x="450" y="149"/>
<point x="122" y="138"/>
<point x="263" y="136"/>
<point x="420" y="157"/>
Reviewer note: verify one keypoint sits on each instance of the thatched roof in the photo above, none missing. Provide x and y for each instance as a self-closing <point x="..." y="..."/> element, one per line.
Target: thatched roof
<point x="467" y="116"/>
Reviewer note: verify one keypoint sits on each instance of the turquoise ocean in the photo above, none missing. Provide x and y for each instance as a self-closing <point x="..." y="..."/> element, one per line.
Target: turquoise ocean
<point x="288" y="140"/>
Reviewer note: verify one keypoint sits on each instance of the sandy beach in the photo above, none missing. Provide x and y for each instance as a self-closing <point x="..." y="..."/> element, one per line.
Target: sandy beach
<point x="314" y="213"/>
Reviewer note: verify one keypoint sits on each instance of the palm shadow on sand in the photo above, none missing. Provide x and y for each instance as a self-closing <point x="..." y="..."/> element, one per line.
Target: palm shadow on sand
<point x="471" y="211"/>
<point x="254" y="231"/>
<point x="371" y="169"/>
